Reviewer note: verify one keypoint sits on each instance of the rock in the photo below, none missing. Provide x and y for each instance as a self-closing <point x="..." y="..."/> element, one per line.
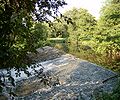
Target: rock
<point x="44" y="54"/>
<point x="79" y="80"/>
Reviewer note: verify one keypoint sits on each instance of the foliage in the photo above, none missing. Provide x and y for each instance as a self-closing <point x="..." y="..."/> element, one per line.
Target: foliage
<point x="40" y="34"/>
<point x="110" y="15"/>
<point x="83" y="27"/>
<point x="108" y="33"/>
<point x="59" y="28"/>
<point x="16" y="21"/>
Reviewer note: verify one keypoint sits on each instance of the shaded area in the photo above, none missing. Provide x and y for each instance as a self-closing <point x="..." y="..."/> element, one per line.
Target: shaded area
<point x="45" y="53"/>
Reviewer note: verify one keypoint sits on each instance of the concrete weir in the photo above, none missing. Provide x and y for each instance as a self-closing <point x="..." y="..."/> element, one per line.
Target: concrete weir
<point x="79" y="80"/>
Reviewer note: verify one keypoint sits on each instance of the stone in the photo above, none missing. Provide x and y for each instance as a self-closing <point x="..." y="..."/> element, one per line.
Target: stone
<point x="79" y="80"/>
<point x="44" y="54"/>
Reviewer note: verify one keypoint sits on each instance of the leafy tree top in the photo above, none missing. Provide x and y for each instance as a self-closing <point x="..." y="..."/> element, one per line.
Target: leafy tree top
<point x="110" y="14"/>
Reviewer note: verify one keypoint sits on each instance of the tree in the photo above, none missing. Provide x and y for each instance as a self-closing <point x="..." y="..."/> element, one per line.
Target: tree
<point x="59" y="29"/>
<point x="40" y="34"/>
<point x="109" y="24"/>
<point x="16" y="21"/>
<point x="110" y="15"/>
<point x="83" y="25"/>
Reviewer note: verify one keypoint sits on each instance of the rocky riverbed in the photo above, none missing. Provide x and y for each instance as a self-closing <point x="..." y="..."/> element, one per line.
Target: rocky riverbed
<point x="77" y="79"/>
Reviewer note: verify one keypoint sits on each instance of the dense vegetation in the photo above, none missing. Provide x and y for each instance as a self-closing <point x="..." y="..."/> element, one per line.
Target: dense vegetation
<point x="22" y="28"/>
<point x="95" y="40"/>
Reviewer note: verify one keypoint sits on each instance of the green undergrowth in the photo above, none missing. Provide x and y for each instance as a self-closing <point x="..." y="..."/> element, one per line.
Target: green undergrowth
<point x="89" y="55"/>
